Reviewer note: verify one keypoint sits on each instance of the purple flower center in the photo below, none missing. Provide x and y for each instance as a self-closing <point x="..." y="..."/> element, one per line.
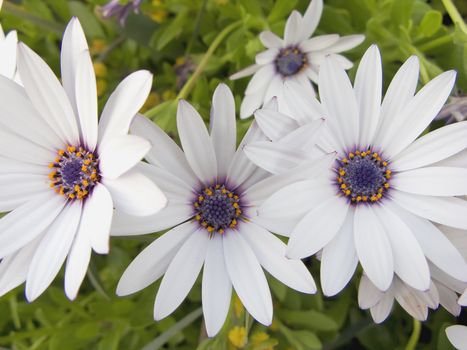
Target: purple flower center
<point x="290" y="61"/>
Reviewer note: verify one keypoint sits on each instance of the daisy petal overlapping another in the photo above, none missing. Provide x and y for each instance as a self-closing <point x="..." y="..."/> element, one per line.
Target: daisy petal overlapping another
<point x="385" y="188"/>
<point x="62" y="173"/>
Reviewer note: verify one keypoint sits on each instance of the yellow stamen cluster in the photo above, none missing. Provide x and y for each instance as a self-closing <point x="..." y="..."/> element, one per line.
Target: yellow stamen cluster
<point x="217" y="209"/>
<point x="363" y="176"/>
<point x="74" y="172"/>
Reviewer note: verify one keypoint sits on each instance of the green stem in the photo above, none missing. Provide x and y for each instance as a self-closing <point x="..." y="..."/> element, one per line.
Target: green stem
<point x="455" y="15"/>
<point x="435" y="43"/>
<point x="199" y="16"/>
<point x="413" y="340"/>
<point x="177" y="327"/>
<point x="349" y="333"/>
<point x="17" y="11"/>
<point x="95" y="281"/>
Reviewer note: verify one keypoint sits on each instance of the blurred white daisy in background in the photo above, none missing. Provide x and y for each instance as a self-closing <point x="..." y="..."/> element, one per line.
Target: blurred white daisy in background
<point x="8" y="45"/>
<point x="457" y="335"/>
<point x="296" y="58"/>
<point x="213" y="191"/>
<point x="61" y="174"/>
<point x="384" y="189"/>
<point x="444" y="289"/>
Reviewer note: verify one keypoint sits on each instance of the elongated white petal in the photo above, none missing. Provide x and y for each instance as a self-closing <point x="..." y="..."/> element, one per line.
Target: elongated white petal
<point x="270" y="252"/>
<point x="267" y="57"/>
<point x="457" y="335"/>
<point x="245" y="72"/>
<point x="270" y="40"/>
<point x="418" y="113"/>
<point x="373" y="248"/>
<point x="134" y="194"/>
<point x="86" y="100"/>
<point x="273" y="124"/>
<point x="320" y="42"/>
<point x="52" y="251"/>
<point x="311" y="18"/>
<point x="196" y="143"/>
<point x="339" y="259"/>
<point x="247" y="277"/>
<point x="318" y="228"/>
<point x="154" y="260"/>
<point x="410" y="300"/>
<point x="97" y="218"/>
<point x="16" y="189"/>
<point x="444" y="210"/>
<point x="260" y="80"/>
<point x="432" y="181"/>
<point x="303" y="108"/>
<point x="77" y="264"/>
<point x="8" y="49"/>
<point x="123" y="104"/>
<point x="26" y="222"/>
<point x="305" y="137"/>
<point x="14" y="268"/>
<point x="346" y="43"/>
<point x="216" y="288"/>
<point x="14" y="166"/>
<point x="448" y="299"/>
<point x="251" y="103"/>
<point x="435" y="245"/>
<point x="433" y="147"/>
<point x="223" y="128"/>
<point x="73" y="45"/>
<point x="22" y="118"/>
<point x="409" y="261"/>
<point x="368" y="294"/>
<point x="164" y="151"/>
<point x="399" y="93"/>
<point x="47" y="94"/>
<point x="120" y="154"/>
<point x="368" y="90"/>
<point x="292" y="28"/>
<point x="381" y="311"/>
<point x="463" y="299"/>
<point x="181" y="274"/>
<point x="334" y="85"/>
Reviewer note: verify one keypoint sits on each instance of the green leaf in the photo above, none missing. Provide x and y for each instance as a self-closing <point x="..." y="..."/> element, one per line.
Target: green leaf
<point x="281" y="9"/>
<point x="308" y="339"/>
<point x="310" y="319"/>
<point x="401" y="12"/>
<point x="430" y="23"/>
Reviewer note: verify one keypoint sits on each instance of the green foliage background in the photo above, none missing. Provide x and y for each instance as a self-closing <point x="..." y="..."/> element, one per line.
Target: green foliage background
<point x="173" y="38"/>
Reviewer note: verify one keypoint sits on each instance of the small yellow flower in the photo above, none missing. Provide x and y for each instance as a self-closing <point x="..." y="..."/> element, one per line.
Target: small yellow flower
<point x="237" y="336"/>
<point x="259" y="337"/>
<point x="100" y="69"/>
<point x="101" y="86"/>
<point x="158" y="16"/>
<point x="97" y="46"/>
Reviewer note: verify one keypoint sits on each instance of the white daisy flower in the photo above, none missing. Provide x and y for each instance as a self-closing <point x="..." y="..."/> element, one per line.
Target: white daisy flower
<point x="213" y="193"/>
<point x="61" y="174"/>
<point x="297" y="58"/>
<point x="457" y="335"/>
<point x="383" y="190"/>
<point x="8" y="45"/>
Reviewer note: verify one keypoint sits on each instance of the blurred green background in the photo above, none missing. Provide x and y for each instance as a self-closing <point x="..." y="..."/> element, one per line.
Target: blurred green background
<point x="191" y="46"/>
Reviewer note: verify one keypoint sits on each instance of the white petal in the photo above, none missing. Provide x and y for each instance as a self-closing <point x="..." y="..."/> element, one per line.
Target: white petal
<point x="410" y="300"/>
<point x="409" y="261"/>
<point x="245" y="72"/>
<point x="123" y="104"/>
<point x="346" y="43"/>
<point x="17" y="189"/>
<point x="73" y="45"/>
<point x="154" y="260"/>
<point x="292" y="28"/>
<point x="216" y="287"/>
<point x="433" y="147"/>
<point x="247" y="277"/>
<point x="448" y="299"/>
<point x="13" y="166"/>
<point x="448" y="211"/>
<point x="457" y="335"/>
<point x="164" y="152"/>
<point x="368" y="90"/>
<point x="8" y="57"/>
<point x="319" y="42"/>
<point x="196" y="143"/>
<point x="120" y="154"/>
<point x="270" y="252"/>
<point x="381" y="311"/>
<point x="134" y="194"/>
<point x="129" y="225"/>
<point x="463" y="299"/>
<point x="223" y="128"/>
<point x="432" y="181"/>
<point x="318" y="228"/>
<point x="251" y="103"/>
<point x="418" y="113"/>
<point x="52" y="251"/>
<point x="399" y="93"/>
<point x="26" y="222"/>
<point x="77" y="264"/>
<point x="343" y="61"/>
<point x="97" y="218"/>
<point x="86" y="100"/>
<point x="267" y="57"/>
<point x="304" y="108"/>
<point x="270" y="40"/>
<point x="368" y="294"/>
<point x="47" y="94"/>
<point x="311" y="18"/>
<point x="373" y="247"/>
<point x="435" y="245"/>
<point x="338" y="98"/>
<point x="181" y="274"/>
<point x="22" y="117"/>
<point x="260" y="80"/>
<point x="273" y="124"/>
<point x="14" y="268"/>
<point x="339" y="260"/>
<point x="305" y="137"/>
